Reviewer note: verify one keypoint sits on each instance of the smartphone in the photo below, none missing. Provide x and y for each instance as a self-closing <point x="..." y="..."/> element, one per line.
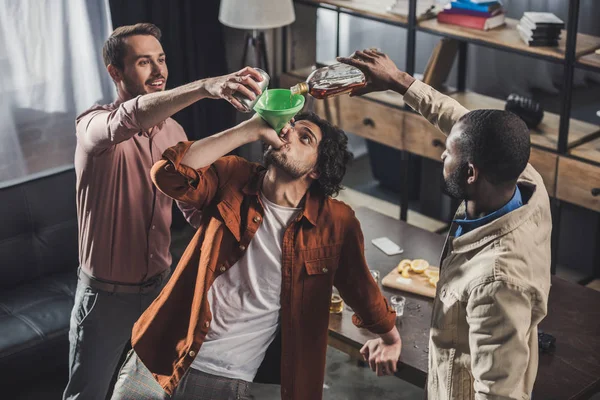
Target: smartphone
<point x="387" y="246"/>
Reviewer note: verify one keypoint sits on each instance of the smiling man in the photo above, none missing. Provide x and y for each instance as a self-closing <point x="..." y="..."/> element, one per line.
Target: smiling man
<point x="257" y="277"/>
<point x="124" y="221"/>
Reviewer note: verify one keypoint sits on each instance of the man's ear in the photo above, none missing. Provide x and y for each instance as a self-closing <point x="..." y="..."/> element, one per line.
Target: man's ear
<point x="314" y="174"/>
<point x="472" y="173"/>
<point x="115" y="73"/>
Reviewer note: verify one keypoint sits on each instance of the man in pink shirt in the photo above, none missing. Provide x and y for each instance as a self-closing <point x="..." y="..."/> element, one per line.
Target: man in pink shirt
<point x="124" y="222"/>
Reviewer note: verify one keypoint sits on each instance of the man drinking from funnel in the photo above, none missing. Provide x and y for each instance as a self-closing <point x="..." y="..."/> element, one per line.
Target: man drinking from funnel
<point x="249" y="300"/>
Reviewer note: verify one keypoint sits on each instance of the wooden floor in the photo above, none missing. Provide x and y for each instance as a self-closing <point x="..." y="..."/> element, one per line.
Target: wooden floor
<point x="595" y="284"/>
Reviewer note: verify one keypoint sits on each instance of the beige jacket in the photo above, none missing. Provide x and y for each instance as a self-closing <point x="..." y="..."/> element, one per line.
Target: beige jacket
<point x="493" y="288"/>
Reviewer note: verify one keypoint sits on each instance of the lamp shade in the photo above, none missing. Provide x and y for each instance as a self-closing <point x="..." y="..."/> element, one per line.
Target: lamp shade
<point x="256" y="14"/>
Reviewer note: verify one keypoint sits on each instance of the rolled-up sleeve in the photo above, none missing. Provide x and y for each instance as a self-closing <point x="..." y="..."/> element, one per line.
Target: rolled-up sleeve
<point x="499" y="318"/>
<point x="195" y="187"/>
<point x="440" y="110"/>
<point x="101" y="129"/>
<point x="357" y="287"/>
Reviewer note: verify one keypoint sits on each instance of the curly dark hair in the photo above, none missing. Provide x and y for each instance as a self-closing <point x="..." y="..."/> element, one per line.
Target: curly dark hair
<point x="333" y="156"/>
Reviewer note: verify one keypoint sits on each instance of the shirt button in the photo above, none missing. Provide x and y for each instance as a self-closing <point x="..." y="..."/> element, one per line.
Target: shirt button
<point x="192" y="353"/>
<point x="325" y="270"/>
<point x="256" y="219"/>
<point x="207" y="324"/>
<point x="242" y="247"/>
<point x="153" y="226"/>
<point x="223" y="268"/>
<point x="151" y="255"/>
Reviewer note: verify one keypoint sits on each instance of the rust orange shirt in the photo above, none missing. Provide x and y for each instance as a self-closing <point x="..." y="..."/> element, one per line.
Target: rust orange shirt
<point x="322" y="247"/>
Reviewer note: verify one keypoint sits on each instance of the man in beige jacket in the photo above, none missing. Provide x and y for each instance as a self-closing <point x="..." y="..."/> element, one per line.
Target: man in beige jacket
<point x="495" y="267"/>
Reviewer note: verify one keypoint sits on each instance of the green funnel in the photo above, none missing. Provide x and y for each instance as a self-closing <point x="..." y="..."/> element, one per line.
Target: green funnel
<point x="278" y="107"/>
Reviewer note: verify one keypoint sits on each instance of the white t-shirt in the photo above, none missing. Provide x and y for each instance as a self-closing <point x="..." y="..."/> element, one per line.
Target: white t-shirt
<point x="245" y="303"/>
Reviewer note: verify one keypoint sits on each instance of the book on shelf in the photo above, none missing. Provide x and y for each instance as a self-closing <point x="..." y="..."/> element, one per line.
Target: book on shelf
<point x="473" y="13"/>
<point x="482" y="15"/>
<point x="478" y="1"/>
<point x="532" y="41"/>
<point x="543" y="19"/>
<point x="470" y="21"/>
<point x="526" y="23"/>
<point x="537" y="34"/>
<point x="540" y="29"/>
<point x="468" y="5"/>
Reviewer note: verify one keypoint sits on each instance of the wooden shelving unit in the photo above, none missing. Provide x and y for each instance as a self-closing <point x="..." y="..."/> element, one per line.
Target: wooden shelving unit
<point x="507" y="38"/>
<point x="546" y="134"/>
<point x="590" y="61"/>
<point x="566" y="151"/>
<point x="588" y="152"/>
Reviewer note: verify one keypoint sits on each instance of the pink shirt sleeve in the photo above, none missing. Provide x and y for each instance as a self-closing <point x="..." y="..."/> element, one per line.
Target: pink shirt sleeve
<point x="100" y="129"/>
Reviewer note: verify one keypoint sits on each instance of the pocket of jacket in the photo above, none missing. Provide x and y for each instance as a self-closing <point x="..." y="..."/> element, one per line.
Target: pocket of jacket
<point x="88" y="300"/>
<point x="324" y="266"/>
<point x="445" y="310"/>
<point x="317" y="283"/>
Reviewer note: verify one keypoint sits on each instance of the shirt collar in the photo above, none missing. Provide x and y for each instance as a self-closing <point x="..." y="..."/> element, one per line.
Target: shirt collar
<point x="465" y="225"/>
<point x="312" y="201"/>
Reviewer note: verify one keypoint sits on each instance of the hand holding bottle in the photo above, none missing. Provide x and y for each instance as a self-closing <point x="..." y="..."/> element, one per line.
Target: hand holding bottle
<point x="380" y="71"/>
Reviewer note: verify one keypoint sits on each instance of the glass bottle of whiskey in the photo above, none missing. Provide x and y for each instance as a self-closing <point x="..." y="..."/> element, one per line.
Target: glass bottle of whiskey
<point x="331" y="81"/>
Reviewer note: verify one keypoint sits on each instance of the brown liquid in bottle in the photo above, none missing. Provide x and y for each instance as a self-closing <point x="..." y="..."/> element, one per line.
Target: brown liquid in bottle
<point x="334" y="89"/>
<point x="333" y="80"/>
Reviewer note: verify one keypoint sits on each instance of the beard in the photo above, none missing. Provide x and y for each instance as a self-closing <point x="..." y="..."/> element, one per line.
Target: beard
<point x="135" y="88"/>
<point x="456" y="182"/>
<point x="280" y="160"/>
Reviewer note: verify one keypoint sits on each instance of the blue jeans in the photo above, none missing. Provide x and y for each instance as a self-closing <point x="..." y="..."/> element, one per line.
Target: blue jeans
<point x="137" y="383"/>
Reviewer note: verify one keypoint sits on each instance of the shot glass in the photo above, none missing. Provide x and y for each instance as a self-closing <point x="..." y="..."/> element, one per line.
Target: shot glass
<point x="337" y="304"/>
<point x="375" y="274"/>
<point x="398" y="303"/>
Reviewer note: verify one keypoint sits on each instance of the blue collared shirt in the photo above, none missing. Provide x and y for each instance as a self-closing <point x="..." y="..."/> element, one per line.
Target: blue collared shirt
<point x="467" y="225"/>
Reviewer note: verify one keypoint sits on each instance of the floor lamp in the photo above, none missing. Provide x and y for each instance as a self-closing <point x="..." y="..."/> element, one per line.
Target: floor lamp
<point x="256" y="16"/>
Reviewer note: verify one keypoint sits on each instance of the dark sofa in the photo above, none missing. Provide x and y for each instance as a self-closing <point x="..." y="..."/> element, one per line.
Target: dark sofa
<point x="38" y="266"/>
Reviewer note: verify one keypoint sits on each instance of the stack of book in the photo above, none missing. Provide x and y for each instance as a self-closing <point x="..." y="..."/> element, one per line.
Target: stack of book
<point x="476" y="14"/>
<point x="540" y="29"/>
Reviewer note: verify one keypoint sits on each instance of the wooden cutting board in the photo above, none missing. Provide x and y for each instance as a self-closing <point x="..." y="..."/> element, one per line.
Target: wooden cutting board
<point x="417" y="283"/>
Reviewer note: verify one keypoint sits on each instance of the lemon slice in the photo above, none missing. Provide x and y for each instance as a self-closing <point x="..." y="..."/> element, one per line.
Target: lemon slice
<point x="406" y="271"/>
<point x="402" y="265"/>
<point x="419" y="266"/>
<point x="430" y="273"/>
<point x="434" y="280"/>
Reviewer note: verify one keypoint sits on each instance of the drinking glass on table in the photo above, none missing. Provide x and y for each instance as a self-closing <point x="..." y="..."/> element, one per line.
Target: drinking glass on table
<point x="376" y="275"/>
<point x="337" y="304"/>
<point x="398" y="303"/>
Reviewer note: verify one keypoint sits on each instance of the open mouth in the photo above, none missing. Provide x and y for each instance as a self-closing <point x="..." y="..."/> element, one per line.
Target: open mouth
<point x="157" y="83"/>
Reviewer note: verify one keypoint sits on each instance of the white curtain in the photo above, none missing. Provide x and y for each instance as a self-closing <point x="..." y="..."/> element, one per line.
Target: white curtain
<point x="51" y="70"/>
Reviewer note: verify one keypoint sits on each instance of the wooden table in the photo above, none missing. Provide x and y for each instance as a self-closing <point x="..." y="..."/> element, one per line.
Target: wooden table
<point x="572" y="371"/>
